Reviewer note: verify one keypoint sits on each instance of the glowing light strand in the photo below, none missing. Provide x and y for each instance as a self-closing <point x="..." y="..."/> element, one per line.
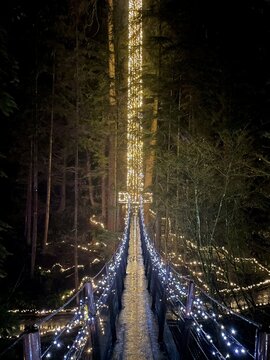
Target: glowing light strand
<point x="82" y="318"/>
<point x="199" y="313"/>
<point x="73" y="322"/>
<point x="102" y="289"/>
<point x="135" y="176"/>
<point x="234" y="288"/>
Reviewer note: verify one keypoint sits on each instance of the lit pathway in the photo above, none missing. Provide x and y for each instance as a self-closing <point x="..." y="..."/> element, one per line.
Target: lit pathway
<point x="137" y="329"/>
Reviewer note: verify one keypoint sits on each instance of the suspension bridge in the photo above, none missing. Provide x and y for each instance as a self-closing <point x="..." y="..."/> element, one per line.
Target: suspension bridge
<point x="139" y="307"/>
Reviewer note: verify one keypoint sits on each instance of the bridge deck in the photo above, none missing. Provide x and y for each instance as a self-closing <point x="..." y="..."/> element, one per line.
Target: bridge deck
<point x="137" y="329"/>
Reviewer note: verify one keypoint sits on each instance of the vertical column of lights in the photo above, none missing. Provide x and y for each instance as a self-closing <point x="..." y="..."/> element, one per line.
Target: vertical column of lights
<point x="134" y="106"/>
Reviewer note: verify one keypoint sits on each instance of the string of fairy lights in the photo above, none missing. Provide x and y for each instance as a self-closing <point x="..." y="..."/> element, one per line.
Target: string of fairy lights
<point x="219" y="249"/>
<point x="230" y="288"/>
<point x="205" y="311"/>
<point x="135" y="177"/>
<point x="211" y="320"/>
<point x="103" y="285"/>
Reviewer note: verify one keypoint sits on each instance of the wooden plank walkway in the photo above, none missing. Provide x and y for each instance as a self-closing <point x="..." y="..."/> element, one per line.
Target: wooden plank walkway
<point x="137" y="328"/>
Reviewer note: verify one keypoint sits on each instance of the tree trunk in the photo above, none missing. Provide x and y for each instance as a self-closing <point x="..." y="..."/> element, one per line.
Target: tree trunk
<point x="198" y="218"/>
<point x="150" y="160"/>
<point x="221" y="203"/>
<point x="111" y="223"/>
<point x="62" y="204"/>
<point x="158" y="230"/>
<point x="49" y="176"/>
<point x="103" y="197"/>
<point x="205" y="265"/>
<point x="76" y="179"/>
<point x="167" y="220"/>
<point x="177" y="239"/>
<point x="76" y="195"/>
<point x="90" y="187"/>
<point x="35" y="181"/>
<point x="35" y="209"/>
<point x="28" y="212"/>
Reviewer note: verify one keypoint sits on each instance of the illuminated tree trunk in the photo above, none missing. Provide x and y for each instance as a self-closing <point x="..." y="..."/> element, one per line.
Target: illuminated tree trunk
<point x="112" y="125"/>
<point x="49" y="178"/>
<point x="135" y="171"/>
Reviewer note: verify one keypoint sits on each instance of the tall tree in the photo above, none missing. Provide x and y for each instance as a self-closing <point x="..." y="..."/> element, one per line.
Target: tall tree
<point x="29" y="200"/>
<point x="49" y="176"/>
<point x="112" y="148"/>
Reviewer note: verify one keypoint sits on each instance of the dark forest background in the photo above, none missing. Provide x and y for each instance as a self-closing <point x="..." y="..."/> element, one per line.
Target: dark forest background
<point x="206" y="120"/>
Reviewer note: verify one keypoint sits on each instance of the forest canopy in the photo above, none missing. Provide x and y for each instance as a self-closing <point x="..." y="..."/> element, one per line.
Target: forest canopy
<point x="63" y="91"/>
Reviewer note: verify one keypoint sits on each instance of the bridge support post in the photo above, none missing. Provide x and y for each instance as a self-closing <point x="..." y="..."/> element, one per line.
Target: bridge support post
<point x="149" y="276"/>
<point x="93" y="338"/>
<point x="262" y="345"/>
<point x="187" y="321"/>
<point x="89" y="296"/>
<point x="146" y="260"/>
<point x="154" y="290"/>
<point x="118" y="284"/>
<point x="190" y="298"/>
<point x="112" y="318"/>
<point x="163" y="308"/>
<point x="31" y="344"/>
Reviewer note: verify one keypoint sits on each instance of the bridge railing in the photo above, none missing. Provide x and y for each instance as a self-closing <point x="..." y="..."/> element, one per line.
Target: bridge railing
<point x="90" y="329"/>
<point x="192" y="324"/>
<point x="108" y="287"/>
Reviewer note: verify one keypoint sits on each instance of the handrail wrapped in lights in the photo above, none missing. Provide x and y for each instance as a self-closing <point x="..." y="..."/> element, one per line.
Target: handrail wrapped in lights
<point x="196" y="321"/>
<point x="90" y="329"/>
